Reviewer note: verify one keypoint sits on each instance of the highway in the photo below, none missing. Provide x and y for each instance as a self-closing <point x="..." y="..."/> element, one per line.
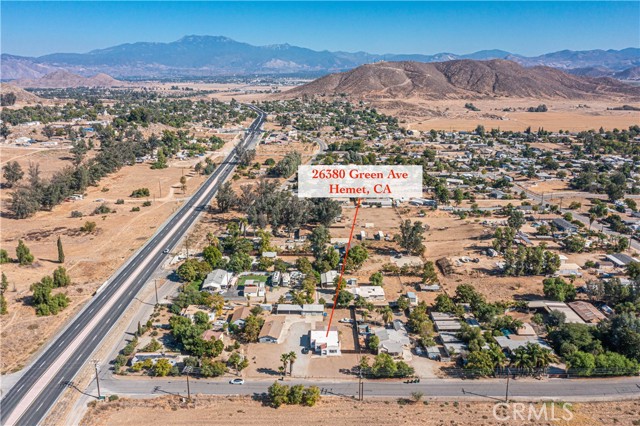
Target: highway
<point x="35" y="393"/>
<point x="522" y="388"/>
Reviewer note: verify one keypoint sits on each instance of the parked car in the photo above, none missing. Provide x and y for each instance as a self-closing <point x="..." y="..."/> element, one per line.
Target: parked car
<point x="236" y="381"/>
<point x="346" y="320"/>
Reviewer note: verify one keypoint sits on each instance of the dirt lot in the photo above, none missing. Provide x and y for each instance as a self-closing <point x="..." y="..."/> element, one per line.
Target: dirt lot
<point x="562" y="115"/>
<point x="333" y="411"/>
<point x="90" y="258"/>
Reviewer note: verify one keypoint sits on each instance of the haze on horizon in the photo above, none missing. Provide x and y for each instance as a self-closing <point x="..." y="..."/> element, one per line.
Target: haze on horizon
<point x="525" y="28"/>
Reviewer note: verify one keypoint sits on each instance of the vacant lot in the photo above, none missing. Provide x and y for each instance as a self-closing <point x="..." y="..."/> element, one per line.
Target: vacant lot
<point x="243" y="411"/>
<point x="90" y="257"/>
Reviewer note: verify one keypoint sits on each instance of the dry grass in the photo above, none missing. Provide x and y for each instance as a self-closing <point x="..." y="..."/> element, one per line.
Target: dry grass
<point x="243" y="411"/>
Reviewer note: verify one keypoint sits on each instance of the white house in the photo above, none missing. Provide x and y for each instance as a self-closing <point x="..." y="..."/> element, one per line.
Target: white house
<point x="217" y="280"/>
<point x="324" y="344"/>
<point x="154" y="357"/>
<point x="369" y="292"/>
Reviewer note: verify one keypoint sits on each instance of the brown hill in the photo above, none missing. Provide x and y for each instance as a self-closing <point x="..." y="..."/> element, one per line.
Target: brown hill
<point x="22" y="96"/>
<point x="462" y="79"/>
<point x="63" y="79"/>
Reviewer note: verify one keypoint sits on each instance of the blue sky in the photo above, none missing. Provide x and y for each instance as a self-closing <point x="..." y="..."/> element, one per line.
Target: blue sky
<point x="530" y="28"/>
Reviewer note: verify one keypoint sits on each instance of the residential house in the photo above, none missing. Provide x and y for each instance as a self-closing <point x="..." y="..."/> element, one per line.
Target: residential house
<point x="154" y="357"/>
<point x="327" y="279"/>
<point x="621" y="260"/>
<point x="239" y="315"/>
<point x="323" y="343"/>
<point x="271" y="331"/>
<point x="217" y="280"/>
<point x="585" y="310"/>
<point x="369" y="292"/>
<point x="564" y="225"/>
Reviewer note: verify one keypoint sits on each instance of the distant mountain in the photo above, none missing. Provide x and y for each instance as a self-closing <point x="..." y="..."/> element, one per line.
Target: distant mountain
<point x="202" y="56"/>
<point x="15" y="67"/>
<point x="616" y="60"/>
<point x="630" y="74"/>
<point x="462" y="79"/>
<point x="62" y="79"/>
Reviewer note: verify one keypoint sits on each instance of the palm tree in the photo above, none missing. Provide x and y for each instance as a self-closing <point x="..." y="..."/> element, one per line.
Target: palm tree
<point x="387" y="315"/>
<point x="284" y="359"/>
<point x="365" y="315"/>
<point x="292" y="359"/>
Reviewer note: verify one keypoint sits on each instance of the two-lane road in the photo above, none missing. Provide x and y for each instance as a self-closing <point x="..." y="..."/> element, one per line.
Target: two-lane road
<point x="35" y="393"/>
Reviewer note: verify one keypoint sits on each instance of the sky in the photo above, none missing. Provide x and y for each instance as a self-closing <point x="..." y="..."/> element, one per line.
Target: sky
<point x="528" y="28"/>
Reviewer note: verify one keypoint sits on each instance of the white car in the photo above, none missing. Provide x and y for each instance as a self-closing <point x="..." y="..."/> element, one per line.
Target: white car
<point x="236" y="381"/>
<point x="165" y="251"/>
<point x="346" y="320"/>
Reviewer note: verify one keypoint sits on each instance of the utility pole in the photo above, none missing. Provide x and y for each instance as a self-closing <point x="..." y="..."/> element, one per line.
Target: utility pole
<point x="95" y="365"/>
<point x="360" y="387"/>
<point x="188" y="370"/>
<point x="506" y="396"/>
<point x="155" y="284"/>
<point x="160" y="188"/>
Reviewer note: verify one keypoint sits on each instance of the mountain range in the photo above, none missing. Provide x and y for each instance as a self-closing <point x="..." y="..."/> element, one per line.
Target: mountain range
<point x="204" y="56"/>
<point x="458" y="79"/>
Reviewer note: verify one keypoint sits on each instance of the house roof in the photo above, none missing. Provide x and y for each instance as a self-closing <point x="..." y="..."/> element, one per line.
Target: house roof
<point x="320" y="338"/>
<point x="240" y="313"/>
<point x="272" y="328"/>
<point x="587" y="311"/>
<point x="217" y="278"/>
<point x="621" y="259"/>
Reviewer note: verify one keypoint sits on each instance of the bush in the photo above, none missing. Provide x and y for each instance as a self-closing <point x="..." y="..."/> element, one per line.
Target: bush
<point x="76" y="213"/>
<point x="88" y="227"/>
<point x="146" y="204"/>
<point x="140" y="192"/>
<point x="102" y="209"/>
<point x="135" y="209"/>
<point x="119" y="201"/>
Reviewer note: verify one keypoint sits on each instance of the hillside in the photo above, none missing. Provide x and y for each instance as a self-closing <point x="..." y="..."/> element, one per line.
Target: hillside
<point x="64" y="79"/>
<point x="462" y="79"/>
<point x="22" y="96"/>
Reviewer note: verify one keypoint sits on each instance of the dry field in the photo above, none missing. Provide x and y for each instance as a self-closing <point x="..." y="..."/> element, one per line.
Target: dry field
<point x="562" y="115"/>
<point x="238" y="411"/>
<point x="90" y="258"/>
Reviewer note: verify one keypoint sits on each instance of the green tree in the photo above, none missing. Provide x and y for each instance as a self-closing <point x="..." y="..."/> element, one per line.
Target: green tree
<point x="61" y="278"/>
<point x="162" y="367"/>
<point x="213" y="256"/>
<point x="411" y="237"/>
<point x="278" y="394"/>
<point x="374" y="342"/>
<point x="23" y="254"/>
<point x="375" y="278"/>
<point x="357" y="256"/>
<point x="344" y="298"/>
<point x="4" y="256"/>
<point x="481" y="363"/>
<point x="60" y="251"/>
<point x="558" y="289"/>
<point x="226" y="197"/>
<point x="311" y="396"/>
<point x="12" y="172"/>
